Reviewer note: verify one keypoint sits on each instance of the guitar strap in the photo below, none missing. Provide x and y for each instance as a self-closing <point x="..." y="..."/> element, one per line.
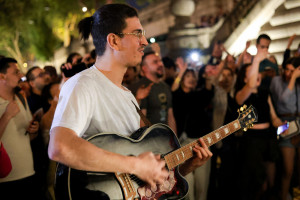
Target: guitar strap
<point x="144" y="118"/>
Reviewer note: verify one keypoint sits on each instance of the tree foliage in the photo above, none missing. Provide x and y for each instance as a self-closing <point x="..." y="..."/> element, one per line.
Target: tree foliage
<point x="33" y="29"/>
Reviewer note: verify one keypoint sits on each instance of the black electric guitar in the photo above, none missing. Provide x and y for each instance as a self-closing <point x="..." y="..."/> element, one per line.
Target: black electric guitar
<point x="159" y="139"/>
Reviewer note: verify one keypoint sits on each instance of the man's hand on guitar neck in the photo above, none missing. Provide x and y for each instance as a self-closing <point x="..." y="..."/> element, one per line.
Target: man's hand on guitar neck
<point x="151" y="169"/>
<point x="201" y="155"/>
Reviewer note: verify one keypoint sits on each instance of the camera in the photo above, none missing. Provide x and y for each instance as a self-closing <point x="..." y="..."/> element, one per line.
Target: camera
<point x="75" y="69"/>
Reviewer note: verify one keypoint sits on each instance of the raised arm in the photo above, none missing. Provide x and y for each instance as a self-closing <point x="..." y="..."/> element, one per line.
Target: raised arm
<point x="182" y="68"/>
<point x="241" y="57"/>
<point x="251" y="76"/>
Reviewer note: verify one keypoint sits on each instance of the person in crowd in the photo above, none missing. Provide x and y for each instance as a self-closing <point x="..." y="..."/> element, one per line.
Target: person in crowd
<point x="37" y="80"/>
<point x="193" y="121"/>
<point x="74" y="58"/>
<point x="287" y="52"/>
<point x="259" y="145"/>
<point x="170" y="70"/>
<point x="49" y="95"/>
<point x="94" y="101"/>
<point x="266" y="66"/>
<point x="16" y="130"/>
<point x="245" y="57"/>
<point x="157" y="106"/>
<point x="229" y="62"/>
<point x="50" y="98"/>
<point x="51" y="71"/>
<point x="225" y="163"/>
<point x="285" y="91"/>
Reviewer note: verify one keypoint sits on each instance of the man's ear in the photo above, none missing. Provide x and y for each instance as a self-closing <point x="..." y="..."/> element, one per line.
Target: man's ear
<point x="2" y="76"/>
<point x="31" y="84"/>
<point x="113" y="41"/>
<point x="144" y="68"/>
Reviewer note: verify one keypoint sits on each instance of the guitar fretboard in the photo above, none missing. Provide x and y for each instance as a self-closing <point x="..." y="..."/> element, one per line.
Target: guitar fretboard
<point x="182" y="154"/>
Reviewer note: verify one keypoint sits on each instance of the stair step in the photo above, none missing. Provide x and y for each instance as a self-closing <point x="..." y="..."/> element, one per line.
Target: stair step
<point x="292" y="4"/>
<point x="285" y="16"/>
<point x="281" y="31"/>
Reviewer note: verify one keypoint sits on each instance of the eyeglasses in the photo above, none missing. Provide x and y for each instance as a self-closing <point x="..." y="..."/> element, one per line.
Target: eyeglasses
<point x="138" y="34"/>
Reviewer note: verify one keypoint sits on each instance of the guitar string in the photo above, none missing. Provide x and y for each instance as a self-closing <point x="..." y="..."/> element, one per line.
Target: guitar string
<point x="214" y="140"/>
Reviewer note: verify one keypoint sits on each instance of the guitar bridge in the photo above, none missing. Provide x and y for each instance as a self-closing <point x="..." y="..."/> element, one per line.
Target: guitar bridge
<point x="126" y="185"/>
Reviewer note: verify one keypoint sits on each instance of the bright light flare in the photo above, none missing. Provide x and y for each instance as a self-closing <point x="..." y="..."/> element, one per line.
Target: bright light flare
<point x="84" y="9"/>
<point x="152" y="40"/>
<point x="195" y="56"/>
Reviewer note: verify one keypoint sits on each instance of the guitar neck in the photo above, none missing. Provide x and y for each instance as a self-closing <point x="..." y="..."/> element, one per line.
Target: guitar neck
<point x="182" y="154"/>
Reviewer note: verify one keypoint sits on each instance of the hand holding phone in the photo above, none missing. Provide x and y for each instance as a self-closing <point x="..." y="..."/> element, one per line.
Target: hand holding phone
<point x="288" y="129"/>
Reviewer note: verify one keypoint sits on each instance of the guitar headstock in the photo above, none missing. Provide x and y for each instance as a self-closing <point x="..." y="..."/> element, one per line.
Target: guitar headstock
<point x="247" y="116"/>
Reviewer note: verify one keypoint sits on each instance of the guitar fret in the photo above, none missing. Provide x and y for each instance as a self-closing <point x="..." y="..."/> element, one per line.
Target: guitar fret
<point x="178" y="156"/>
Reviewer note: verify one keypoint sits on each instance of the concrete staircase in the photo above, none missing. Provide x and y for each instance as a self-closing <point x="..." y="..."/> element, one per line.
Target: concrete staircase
<point x="280" y="19"/>
<point x="284" y="23"/>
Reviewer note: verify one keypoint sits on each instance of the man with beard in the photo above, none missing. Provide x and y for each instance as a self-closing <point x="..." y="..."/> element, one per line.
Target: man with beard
<point x="37" y="80"/>
<point x="15" y="121"/>
<point x="157" y="106"/>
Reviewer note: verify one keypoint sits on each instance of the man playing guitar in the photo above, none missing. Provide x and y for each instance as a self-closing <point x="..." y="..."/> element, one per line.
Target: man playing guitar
<point x="95" y="101"/>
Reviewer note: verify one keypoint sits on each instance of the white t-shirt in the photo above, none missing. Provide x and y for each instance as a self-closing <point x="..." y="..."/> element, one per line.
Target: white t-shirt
<point x="16" y="143"/>
<point x="89" y="103"/>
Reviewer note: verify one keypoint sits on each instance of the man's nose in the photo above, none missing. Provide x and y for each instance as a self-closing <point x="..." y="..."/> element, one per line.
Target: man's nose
<point x="144" y="41"/>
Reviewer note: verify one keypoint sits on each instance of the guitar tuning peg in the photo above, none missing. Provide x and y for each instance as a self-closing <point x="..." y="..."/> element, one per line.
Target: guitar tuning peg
<point x="238" y="110"/>
<point x="241" y="109"/>
<point x="245" y="129"/>
<point x="245" y="106"/>
<point x="252" y="125"/>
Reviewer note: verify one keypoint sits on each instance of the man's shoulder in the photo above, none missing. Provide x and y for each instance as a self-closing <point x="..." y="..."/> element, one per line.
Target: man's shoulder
<point x="86" y="77"/>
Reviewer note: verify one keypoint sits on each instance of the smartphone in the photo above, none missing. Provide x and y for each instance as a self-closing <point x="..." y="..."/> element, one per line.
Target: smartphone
<point x="292" y="127"/>
<point x="282" y="128"/>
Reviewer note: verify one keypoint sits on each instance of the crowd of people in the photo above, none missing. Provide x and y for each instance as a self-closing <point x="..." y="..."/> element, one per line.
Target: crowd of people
<point x="246" y="165"/>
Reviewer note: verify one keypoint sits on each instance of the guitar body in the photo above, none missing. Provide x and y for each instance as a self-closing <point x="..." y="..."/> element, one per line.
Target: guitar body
<point x="159" y="139"/>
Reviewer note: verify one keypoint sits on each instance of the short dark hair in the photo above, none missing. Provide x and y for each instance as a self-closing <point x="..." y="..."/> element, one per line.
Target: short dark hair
<point x="29" y="75"/>
<point x="71" y="56"/>
<point x="295" y="61"/>
<point x="51" y="70"/>
<point x="4" y="64"/>
<point x="145" y="55"/>
<point x="262" y="36"/>
<point x="109" y="18"/>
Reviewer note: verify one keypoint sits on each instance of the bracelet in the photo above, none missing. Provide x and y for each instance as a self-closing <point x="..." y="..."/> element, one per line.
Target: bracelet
<point x="177" y="79"/>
